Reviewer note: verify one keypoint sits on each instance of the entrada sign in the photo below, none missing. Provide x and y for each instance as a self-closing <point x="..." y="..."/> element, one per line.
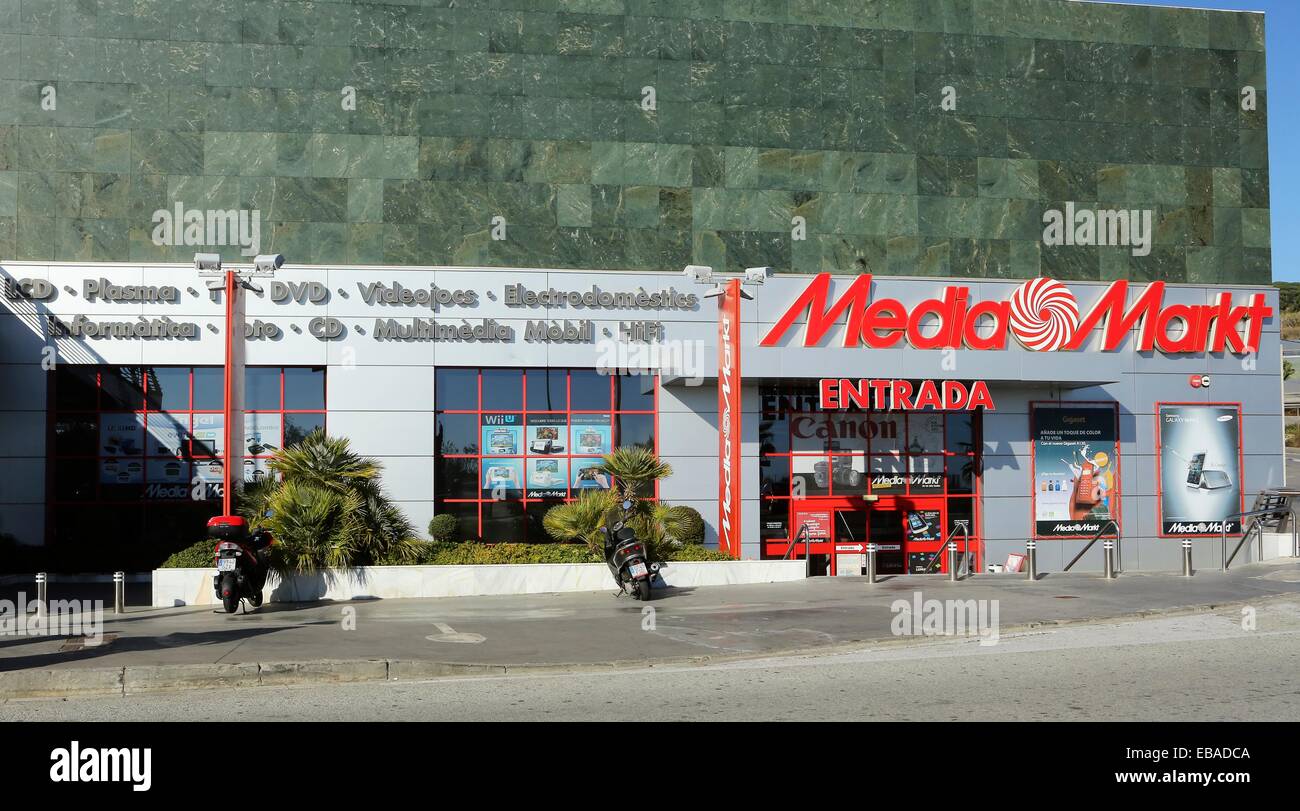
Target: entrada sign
<point x="904" y="395"/>
<point x="1042" y="314"/>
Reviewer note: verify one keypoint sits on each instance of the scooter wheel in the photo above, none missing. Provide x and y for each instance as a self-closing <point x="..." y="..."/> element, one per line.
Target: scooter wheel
<point x="642" y="591"/>
<point x="229" y="595"/>
<point x="256" y="599"/>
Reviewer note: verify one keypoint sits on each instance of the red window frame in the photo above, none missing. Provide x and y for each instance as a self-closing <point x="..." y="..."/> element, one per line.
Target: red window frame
<point x="568" y="412"/>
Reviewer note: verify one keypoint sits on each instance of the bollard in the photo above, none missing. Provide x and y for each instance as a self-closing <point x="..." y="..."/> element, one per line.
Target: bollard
<point x="1187" y="558"/>
<point x="871" y="563"/>
<point x="119" y="592"/>
<point x="1108" y="560"/>
<point x="42" y="593"/>
<point x="1031" y="553"/>
<point x="952" y="561"/>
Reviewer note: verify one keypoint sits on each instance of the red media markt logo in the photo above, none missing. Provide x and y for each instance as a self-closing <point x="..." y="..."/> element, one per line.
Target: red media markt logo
<point x="1044" y="315"/>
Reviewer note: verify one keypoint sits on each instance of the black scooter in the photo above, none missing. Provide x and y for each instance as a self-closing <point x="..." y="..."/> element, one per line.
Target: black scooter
<point x="626" y="555"/>
<point x="241" y="560"/>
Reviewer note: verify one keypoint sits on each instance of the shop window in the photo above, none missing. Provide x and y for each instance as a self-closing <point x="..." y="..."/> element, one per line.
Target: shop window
<point x="636" y="429"/>
<point x="76" y="435"/>
<point x="548" y="390"/>
<point x="466" y="514"/>
<point x="208" y="388"/>
<point x="503" y="389"/>
<point x="304" y="389"/>
<point x="456" y="434"/>
<point x="456" y="389"/>
<point x="261" y="389"/>
<point x="634" y="393"/>
<point x="774" y="516"/>
<point x="148" y="441"/>
<point x="495" y="452"/>
<point x="589" y="390"/>
<point x="167" y="389"/>
<point x="76" y="388"/>
<point x="774" y="475"/>
<point x="121" y="389"/>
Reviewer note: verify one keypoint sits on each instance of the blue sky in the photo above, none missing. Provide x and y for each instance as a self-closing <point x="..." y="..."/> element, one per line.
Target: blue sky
<point x="1282" y="27"/>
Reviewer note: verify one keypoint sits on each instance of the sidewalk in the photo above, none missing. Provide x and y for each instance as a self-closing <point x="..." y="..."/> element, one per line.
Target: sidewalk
<point x="174" y="648"/>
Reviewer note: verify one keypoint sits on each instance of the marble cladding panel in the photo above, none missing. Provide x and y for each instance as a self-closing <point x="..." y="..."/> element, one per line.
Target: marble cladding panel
<point x="918" y="137"/>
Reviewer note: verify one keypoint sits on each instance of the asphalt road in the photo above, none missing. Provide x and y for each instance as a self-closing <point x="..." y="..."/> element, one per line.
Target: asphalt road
<point x="1197" y="667"/>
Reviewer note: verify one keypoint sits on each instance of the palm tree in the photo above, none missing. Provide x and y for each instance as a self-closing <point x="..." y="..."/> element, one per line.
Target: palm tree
<point x="634" y="468"/>
<point x="328" y="507"/>
<point x="580" y="520"/>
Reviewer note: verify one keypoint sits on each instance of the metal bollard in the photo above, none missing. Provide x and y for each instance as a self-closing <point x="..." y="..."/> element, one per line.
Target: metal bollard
<point x="1108" y="560"/>
<point x="1187" y="558"/>
<point x="871" y="563"/>
<point x="42" y="593"/>
<point x="119" y="592"/>
<point x="1031" y="553"/>
<point x="952" y="561"/>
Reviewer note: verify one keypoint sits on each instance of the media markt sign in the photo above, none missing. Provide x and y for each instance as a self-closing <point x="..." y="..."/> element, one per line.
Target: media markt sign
<point x="1042" y="314"/>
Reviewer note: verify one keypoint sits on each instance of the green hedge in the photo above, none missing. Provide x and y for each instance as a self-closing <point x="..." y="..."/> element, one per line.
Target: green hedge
<point x="199" y="556"/>
<point x="195" y="556"/>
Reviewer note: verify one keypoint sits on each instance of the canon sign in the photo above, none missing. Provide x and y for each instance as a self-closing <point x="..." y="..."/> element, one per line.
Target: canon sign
<point x="1042" y="314"/>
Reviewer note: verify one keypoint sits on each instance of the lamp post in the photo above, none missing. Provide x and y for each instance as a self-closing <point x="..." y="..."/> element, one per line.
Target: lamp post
<point x="728" y="291"/>
<point x="233" y="282"/>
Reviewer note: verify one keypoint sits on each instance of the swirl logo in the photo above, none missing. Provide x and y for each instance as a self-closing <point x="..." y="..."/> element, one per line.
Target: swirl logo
<point x="1044" y="315"/>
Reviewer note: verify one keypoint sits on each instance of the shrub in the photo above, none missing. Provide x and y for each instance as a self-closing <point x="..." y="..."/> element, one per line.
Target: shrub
<point x="692" y="524"/>
<point x="695" y="552"/>
<point x="195" y="556"/>
<point x="442" y="528"/>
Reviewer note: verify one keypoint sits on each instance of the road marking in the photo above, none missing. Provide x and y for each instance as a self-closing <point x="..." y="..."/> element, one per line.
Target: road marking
<point x="449" y="634"/>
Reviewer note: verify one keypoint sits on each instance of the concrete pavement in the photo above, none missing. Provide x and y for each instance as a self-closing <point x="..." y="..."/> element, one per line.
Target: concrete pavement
<point x="1197" y="667"/>
<point x="411" y="639"/>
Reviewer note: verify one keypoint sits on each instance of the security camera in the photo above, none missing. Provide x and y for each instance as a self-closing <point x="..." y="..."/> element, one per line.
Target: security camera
<point x="207" y="264"/>
<point x="267" y="263"/>
<point x="756" y="275"/>
<point x="700" y="274"/>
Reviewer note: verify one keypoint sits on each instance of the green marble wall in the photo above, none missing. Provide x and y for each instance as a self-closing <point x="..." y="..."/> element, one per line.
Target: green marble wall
<point x="531" y="110"/>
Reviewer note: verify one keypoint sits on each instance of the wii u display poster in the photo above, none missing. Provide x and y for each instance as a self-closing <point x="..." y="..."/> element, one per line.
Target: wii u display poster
<point x="591" y="435"/>
<point x="1076" y="471"/>
<point x="1200" y="469"/>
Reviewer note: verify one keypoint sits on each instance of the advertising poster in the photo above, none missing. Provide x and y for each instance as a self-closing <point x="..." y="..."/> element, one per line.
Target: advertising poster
<point x="503" y="478"/>
<point x="591" y="435"/>
<point x="168" y="471"/>
<point x="586" y="475"/>
<point x="1076" y="475"/>
<point x="121" y="440"/>
<point x="548" y="478"/>
<point x="261" y="434"/>
<point x="547" y="434"/>
<point x="1200" y="468"/>
<point x="167" y="434"/>
<point x="209" y="430"/>
<point x="503" y="435"/>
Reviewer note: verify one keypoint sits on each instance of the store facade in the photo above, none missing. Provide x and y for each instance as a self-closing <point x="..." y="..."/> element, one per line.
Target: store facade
<point x="491" y="393"/>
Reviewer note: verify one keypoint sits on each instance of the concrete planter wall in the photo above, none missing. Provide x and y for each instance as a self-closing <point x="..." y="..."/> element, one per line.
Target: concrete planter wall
<point x="173" y="587"/>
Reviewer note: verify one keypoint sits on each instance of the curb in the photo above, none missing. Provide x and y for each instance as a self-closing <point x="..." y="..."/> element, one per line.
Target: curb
<point x="136" y="679"/>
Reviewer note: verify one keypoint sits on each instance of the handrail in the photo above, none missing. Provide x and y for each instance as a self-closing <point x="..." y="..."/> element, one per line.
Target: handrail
<point x="1110" y="522"/>
<point x="965" y="530"/>
<point x="1223" y="539"/>
<point x="801" y="533"/>
<point x="807" y="549"/>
